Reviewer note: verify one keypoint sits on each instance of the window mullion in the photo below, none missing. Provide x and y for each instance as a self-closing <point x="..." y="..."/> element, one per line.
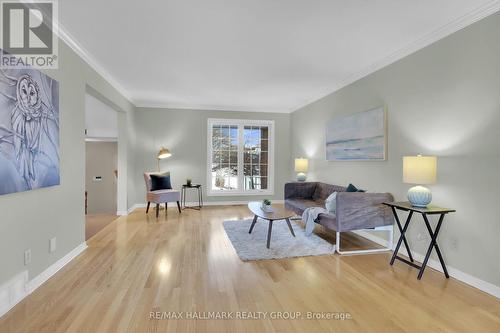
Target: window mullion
<point x="241" y="177"/>
<point x="240" y="167"/>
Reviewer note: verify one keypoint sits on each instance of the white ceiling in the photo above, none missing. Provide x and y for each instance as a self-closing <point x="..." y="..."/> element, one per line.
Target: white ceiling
<point x="253" y="55"/>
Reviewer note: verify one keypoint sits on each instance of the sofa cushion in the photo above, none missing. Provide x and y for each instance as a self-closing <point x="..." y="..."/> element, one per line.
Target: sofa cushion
<point x="354" y="211"/>
<point x="302" y="190"/>
<point x="162" y="196"/>
<point x="323" y="190"/>
<point x="299" y="205"/>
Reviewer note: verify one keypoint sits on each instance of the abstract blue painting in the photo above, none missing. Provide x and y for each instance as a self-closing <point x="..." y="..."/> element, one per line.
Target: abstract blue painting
<point x="29" y="130"/>
<point x="360" y="136"/>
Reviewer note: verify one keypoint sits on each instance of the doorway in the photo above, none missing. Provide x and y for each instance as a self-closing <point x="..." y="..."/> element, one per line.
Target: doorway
<point x="100" y="185"/>
<point x="101" y="165"/>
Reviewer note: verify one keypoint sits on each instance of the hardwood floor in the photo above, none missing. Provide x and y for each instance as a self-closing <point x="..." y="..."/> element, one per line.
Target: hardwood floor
<point x="137" y="265"/>
<point x="96" y="222"/>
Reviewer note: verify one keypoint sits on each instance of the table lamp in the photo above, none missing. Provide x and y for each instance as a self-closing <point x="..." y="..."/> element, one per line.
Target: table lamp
<point x="162" y="154"/>
<point x="301" y="166"/>
<point x="419" y="170"/>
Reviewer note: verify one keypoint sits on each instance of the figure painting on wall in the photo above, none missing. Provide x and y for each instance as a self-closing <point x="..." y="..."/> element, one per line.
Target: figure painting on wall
<point x="29" y="130"/>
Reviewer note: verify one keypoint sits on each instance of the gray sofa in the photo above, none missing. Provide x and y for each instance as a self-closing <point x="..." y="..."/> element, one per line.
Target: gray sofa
<point x="355" y="210"/>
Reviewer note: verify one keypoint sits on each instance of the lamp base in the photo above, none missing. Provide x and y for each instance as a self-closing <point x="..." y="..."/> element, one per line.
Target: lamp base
<point x="419" y="196"/>
<point x="301" y="177"/>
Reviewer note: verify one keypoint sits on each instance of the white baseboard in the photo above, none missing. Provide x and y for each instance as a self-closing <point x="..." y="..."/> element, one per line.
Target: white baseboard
<point x="473" y="281"/>
<point x="17" y="288"/>
<point x="126" y="212"/>
<point x="205" y="203"/>
<point x="368" y="235"/>
<point x="13" y="291"/>
<point x="134" y="207"/>
<point x="40" y="279"/>
<point x="131" y="209"/>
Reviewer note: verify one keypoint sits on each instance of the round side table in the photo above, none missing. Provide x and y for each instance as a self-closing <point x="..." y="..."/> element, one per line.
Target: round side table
<point x="185" y="187"/>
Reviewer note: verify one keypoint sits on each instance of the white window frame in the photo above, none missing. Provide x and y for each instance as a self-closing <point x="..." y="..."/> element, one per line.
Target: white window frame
<point x="241" y="123"/>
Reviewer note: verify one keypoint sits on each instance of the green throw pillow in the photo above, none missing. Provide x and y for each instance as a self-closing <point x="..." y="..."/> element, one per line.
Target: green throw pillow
<point x="352" y="188"/>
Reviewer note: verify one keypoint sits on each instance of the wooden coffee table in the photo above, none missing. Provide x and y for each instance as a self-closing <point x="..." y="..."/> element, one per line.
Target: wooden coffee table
<point x="277" y="213"/>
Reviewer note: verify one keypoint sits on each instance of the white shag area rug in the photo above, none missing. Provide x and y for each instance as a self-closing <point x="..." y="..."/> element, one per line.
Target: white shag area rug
<point x="283" y="244"/>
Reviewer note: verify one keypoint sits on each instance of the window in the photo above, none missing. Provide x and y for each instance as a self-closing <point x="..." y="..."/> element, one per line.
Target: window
<point x="240" y="156"/>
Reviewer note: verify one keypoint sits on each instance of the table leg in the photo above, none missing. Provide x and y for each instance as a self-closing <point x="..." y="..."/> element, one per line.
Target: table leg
<point x="253" y="224"/>
<point x="201" y="196"/>
<point x="433" y="245"/>
<point x="402" y="237"/>
<point x="183" y="199"/>
<point x="269" y="233"/>
<point x="290" y="227"/>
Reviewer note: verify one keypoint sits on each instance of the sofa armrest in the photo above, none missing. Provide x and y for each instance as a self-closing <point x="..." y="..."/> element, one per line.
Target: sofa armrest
<point x="303" y="190"/>
<point x="357" y="210"/>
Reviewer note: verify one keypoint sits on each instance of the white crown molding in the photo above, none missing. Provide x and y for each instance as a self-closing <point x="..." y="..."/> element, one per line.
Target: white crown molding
<point x="428" y="39"/>
<point x="71" y="41"/>
<point x="444" y="31"/>
<point x="200" y="107"/>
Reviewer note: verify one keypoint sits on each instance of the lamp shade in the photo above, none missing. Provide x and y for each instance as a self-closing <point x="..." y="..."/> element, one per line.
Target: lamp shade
<point x="301" y="164"/>
<point x="164" y="153"/>
<point x="419" y="169"/>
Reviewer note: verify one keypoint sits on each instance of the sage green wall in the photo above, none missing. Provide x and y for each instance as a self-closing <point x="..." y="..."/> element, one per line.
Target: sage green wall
<point x="184" y="132"/>
<point x="30" y="219"/>
<point x="442" y="100"/>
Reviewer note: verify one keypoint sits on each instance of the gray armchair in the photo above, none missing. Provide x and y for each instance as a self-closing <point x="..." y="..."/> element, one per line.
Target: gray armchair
<point x="356" y="211"/>
<point x="161" y="196"/>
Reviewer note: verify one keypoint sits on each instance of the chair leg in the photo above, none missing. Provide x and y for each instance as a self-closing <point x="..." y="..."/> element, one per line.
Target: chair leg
<point x="166" y="206"/>
<point x="157" y="210"/>
<point x="179" y="207"/>
<point x="147" y="208"/>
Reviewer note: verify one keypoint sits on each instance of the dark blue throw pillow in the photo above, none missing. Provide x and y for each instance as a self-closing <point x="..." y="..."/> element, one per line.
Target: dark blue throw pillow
<point x="352" y="188"/>
<point x="161" y="182"/>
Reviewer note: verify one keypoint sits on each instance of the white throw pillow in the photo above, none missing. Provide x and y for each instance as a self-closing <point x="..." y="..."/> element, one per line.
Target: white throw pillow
<point x="331" y="203"/>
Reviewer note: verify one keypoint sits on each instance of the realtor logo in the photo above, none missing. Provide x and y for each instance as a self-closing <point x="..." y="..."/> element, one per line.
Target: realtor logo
<point x="28" y="36"/>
